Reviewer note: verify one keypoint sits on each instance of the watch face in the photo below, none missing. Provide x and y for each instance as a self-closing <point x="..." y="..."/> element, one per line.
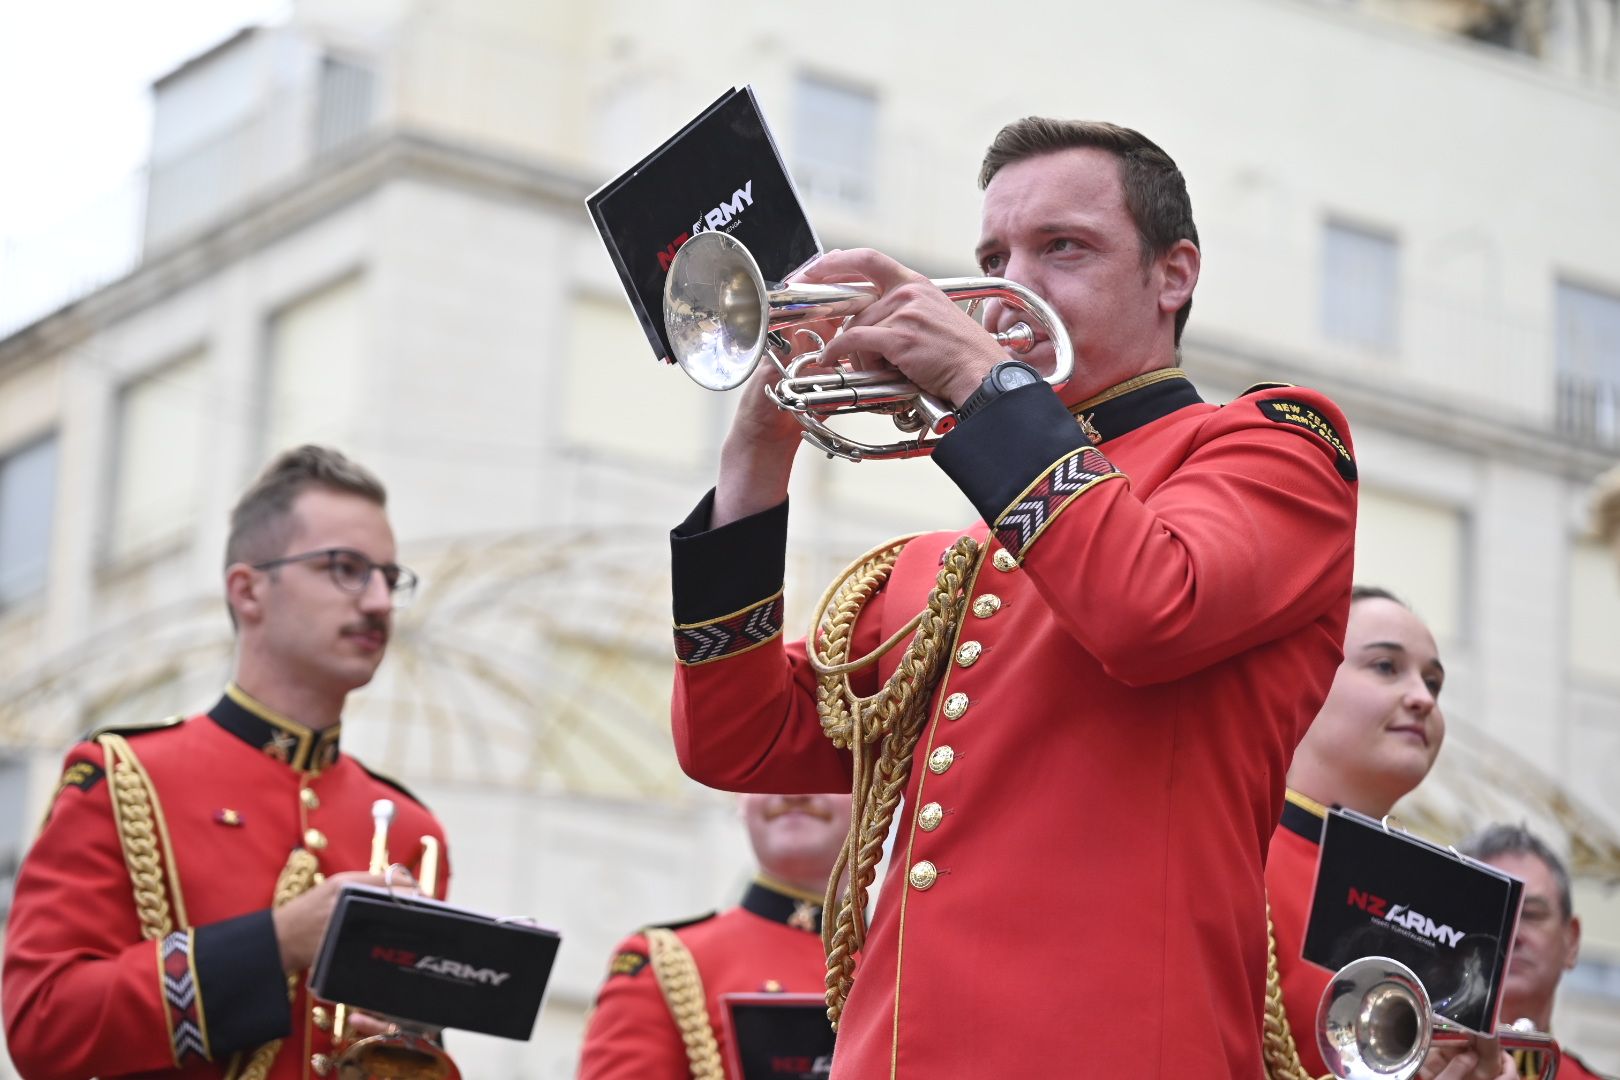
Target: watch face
<point x="1011" y="376"/>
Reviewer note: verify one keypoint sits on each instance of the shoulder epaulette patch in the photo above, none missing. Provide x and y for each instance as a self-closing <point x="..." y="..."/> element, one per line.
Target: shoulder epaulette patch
<point x="1259" y="386"/>
<point x="135" y="729"/>
<point x="627" y="963"/>
<point x="80" y="774"/>
<point x="1299" y="415"/>
<point x="391" y="782"/>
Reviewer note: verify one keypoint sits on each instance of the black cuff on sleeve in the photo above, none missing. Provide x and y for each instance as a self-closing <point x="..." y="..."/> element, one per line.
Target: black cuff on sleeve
<point x="240" y="981"/>
<point x="996" y="453"/>
<point x="716" y="572"/>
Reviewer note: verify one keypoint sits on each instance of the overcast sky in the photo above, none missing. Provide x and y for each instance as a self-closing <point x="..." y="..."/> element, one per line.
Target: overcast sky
<point x="75" y="115"/>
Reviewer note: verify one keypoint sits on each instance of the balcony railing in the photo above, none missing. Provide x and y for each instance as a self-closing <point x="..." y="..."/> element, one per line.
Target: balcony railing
<point x="1589" y="410"/>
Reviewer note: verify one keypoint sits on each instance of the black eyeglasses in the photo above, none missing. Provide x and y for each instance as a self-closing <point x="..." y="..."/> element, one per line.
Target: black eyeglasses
<point x="351" y="571"/>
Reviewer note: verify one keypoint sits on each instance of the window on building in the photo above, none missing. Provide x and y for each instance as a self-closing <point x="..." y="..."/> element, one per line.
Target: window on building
<point x="1419" y="550"/>
<point x="312" y="380"/>
<point x="1588" y="352"/>
<point x="159" y="445"/>
<point x="1594" y="612"/>
<point x="1360" y="287"/>
<point x="27" y="505"/>
<point x="344" y="103"/>
<point x="835" y="140"/>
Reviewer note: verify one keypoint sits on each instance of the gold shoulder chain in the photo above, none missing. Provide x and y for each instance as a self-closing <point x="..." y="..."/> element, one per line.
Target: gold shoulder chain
<point x="896" y="714"/>
<point x="296" y="878"/>
<point x="1278" y="1046"/>
<point x="139" y="821"/>
<point x="682" y="986"/>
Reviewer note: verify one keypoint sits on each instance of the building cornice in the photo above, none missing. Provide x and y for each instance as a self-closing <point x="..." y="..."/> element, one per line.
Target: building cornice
<point x="271" y="216"/>
<point x="1467" y="427"/>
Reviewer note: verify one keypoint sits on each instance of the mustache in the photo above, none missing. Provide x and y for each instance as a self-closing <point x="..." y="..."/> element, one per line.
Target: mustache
<point x="801" y="806"/>
<point x="369" y="624"/>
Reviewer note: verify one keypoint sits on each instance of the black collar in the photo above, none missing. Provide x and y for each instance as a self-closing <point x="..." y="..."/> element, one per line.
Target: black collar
<point x="1135" y="403"/>
<point x="779" y="903"/>
<point x="1303" y="816"/>
<point x="287" y="741"/>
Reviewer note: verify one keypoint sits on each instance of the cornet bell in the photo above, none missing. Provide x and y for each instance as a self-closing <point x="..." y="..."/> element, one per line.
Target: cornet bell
<point x="716" y="308"/>
<point x="1373" y="1021"/>
<point x="1376" y="1022"/>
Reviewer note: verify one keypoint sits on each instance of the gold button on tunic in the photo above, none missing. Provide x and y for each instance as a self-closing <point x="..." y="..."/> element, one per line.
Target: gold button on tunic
<point x="923" y="875"/>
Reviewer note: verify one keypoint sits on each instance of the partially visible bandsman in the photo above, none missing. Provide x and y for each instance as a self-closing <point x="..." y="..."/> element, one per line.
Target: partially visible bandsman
<point x="1548" y="940"/>
<point x="645" y="1027"/>
<point x="1374" y="740"/>
<point x="165" y="919"/>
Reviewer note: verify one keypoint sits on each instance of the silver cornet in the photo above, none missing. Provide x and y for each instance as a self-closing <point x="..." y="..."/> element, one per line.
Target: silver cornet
<point x="1375" y="1022"/>
<point x="722" y="318"/>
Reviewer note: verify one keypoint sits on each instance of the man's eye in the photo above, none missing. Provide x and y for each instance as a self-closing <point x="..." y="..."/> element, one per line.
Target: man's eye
<point x="349" y="567"/>
<point x="990" y="263"/>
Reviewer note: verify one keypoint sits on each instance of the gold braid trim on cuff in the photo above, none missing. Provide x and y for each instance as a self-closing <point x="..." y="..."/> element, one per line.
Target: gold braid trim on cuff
<point x="896" y="714"/>
<point x="296" y="878"/>
<point x="682" y="986"/>
<point x="1277" y="1045"/>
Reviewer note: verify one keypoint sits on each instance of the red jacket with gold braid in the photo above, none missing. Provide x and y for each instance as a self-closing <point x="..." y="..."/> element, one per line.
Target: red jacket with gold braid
<point x="237" y="790"/>
<point x="1077" y="887"/>
<point x="770" y="943"/>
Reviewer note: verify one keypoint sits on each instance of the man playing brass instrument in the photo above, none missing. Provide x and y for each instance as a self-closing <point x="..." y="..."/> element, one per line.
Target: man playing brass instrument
<point x="165" y="919"/>
<point x="1106" y="685"/>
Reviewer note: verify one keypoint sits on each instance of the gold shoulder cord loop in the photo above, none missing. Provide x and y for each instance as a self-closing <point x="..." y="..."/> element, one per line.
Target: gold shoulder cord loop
<point x="296" y="878"/>
<point x="1278" y="1046"/>
<point x="140" y="827"/>
<point x="682" y="986"/>
<point x="895" y="715"/>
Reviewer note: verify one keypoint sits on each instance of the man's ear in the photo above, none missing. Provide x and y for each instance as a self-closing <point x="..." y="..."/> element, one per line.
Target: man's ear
<point x="1180" y="267"/>
<point x="244" y="593"/>
<point x="1572" y="951"/>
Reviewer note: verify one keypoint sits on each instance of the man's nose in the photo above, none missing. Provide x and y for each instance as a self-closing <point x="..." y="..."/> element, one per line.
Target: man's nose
<point x="376" y="596"/>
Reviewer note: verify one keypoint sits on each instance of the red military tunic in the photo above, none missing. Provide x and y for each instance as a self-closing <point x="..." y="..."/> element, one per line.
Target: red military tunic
<point x="769" y="943"/>
<point x="1077" y="887"/>
<point x="1290" y="880"/>
<point x="238" y="789"/>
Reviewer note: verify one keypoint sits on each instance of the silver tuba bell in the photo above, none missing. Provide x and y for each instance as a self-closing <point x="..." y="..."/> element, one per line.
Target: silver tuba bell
<point x="722" y="318"/>
<point x="1375" y="1022"/>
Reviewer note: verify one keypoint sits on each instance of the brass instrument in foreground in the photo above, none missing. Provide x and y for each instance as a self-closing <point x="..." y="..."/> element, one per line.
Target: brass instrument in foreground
<point x="402" y="1053"/>
<point x="722" y="319"/>
<point x="1376" y="1022"/>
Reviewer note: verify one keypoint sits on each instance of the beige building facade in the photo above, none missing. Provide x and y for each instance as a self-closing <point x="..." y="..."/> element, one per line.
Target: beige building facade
<point x="366" y="227"/>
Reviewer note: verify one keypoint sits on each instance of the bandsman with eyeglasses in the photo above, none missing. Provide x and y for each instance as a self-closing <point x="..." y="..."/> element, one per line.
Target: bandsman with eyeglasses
<point x="167" y="916"/>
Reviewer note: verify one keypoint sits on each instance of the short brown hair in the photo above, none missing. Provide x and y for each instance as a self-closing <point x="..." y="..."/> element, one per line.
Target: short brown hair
<point x="1155" y="191"/>
<point x="261" y="521"/>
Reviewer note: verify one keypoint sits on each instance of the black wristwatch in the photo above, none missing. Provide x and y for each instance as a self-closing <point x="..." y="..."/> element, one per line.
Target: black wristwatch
<point x="1005" y="376"/>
